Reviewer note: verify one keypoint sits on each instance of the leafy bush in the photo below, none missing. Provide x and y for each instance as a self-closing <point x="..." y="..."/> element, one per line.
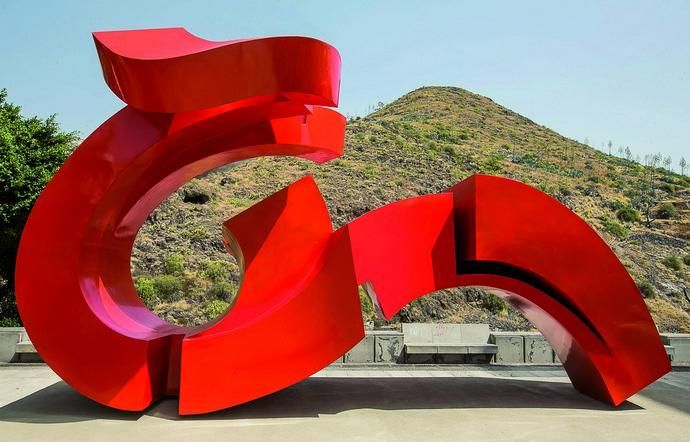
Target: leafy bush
<point x="365" y="301"/>
<point x="401" y="143"/>
<point x="529" y="159"/>
<point x="591" y="191"/>
<point x="445" y="133"/>
<point x="146" y="289"/>
<point x="195" y="233"/>
<point x="647" y="290"/>
<point x="239" y="202"/>
<point x="628" y="214"/>
<point x="547" y="188"/>
<point x="451" y="150"/>
<point x="168" y="287"/>
<point x="494" y="162"/>
<point x="494" y="304"/>
<point x="174" y="264"/>
<point x="614" y="205"/>
<point x="668" y="188"/>
<point x="10" y="322"/>
<point x="221" y="290"/>
<point x="666" y="211"/>
<point x="686" y="259"/>
<point x="574" y="173"/>
<point x="672" y="262"/>
<point x="615" y="229"/>
<point x="8" y="306"/>
<point x="215" y="308"/>
<point x="564" y="191"/>
<point x="369" y="171"/>
<point x="216" y="270"/>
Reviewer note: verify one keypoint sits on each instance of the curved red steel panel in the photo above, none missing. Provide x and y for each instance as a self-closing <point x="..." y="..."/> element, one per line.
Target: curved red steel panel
<point x="297" y="310"/>
<point x="73" y="277"/>
<point x="171" y="70"/>
<point x="194" y="105"/>
<point x="502" y="234"/>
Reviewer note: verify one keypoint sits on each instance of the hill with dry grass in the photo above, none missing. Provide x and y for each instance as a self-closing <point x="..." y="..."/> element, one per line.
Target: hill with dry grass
<point x="423" y="143"/>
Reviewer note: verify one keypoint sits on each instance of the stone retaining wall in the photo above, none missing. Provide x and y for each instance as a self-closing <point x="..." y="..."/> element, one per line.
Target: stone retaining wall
<point x="380" y="346"/>
<point x="387" y="347"/>
<point x="9" y="338"/>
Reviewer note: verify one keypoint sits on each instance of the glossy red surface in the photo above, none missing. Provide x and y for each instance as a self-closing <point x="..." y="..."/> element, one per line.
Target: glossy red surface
<point x="526" y="247"/>
<point x="82" y="228"/>
<point x="194" y="105"/>
<point x="171" y="70"/>
<point x="297" y="310"/>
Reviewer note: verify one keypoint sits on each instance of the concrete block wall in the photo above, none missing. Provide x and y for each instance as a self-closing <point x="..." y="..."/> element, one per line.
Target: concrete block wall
<point x="522" y="348"/>
<point x="378" y="346"/>
<point x="362" y="353"/>
<point x="383" y="346"/>
<point x="537" y="349"/>
<point x="681" y="347"/>
<point x="511" y="347"/>
<point x="387" y="346"/>
<point x="9" y="338"/>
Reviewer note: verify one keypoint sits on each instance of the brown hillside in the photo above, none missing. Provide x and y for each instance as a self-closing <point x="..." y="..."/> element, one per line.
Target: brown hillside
<point x="422" y="143"/>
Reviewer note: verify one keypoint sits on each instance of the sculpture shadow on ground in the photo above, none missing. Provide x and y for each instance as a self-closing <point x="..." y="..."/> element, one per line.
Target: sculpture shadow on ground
<point x="314" y="397"/>
<point x="673" y="391"/>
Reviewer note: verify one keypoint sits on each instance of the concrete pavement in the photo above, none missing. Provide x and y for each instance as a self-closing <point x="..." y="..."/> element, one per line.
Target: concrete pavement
<point x="434" y="403"/>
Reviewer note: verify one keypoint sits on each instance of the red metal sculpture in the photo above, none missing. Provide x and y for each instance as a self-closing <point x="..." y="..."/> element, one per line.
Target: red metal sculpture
<point x="194" y="105"/>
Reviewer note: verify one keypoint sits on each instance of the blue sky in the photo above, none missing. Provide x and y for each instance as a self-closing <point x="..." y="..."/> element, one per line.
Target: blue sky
<point x="617" y="70"/>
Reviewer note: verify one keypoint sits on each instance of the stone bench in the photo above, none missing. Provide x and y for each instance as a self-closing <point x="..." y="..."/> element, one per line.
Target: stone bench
<point x="427" y="343"/>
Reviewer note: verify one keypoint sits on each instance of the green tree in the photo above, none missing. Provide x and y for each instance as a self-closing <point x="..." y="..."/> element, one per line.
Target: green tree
<point x="31" y="151"/>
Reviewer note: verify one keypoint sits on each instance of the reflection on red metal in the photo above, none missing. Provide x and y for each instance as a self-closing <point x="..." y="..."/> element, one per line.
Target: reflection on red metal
<point x="194" y="105"/>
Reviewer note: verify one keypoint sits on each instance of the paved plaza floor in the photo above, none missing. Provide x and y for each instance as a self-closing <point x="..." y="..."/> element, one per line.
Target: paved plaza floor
<point x="365" y="403"/>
